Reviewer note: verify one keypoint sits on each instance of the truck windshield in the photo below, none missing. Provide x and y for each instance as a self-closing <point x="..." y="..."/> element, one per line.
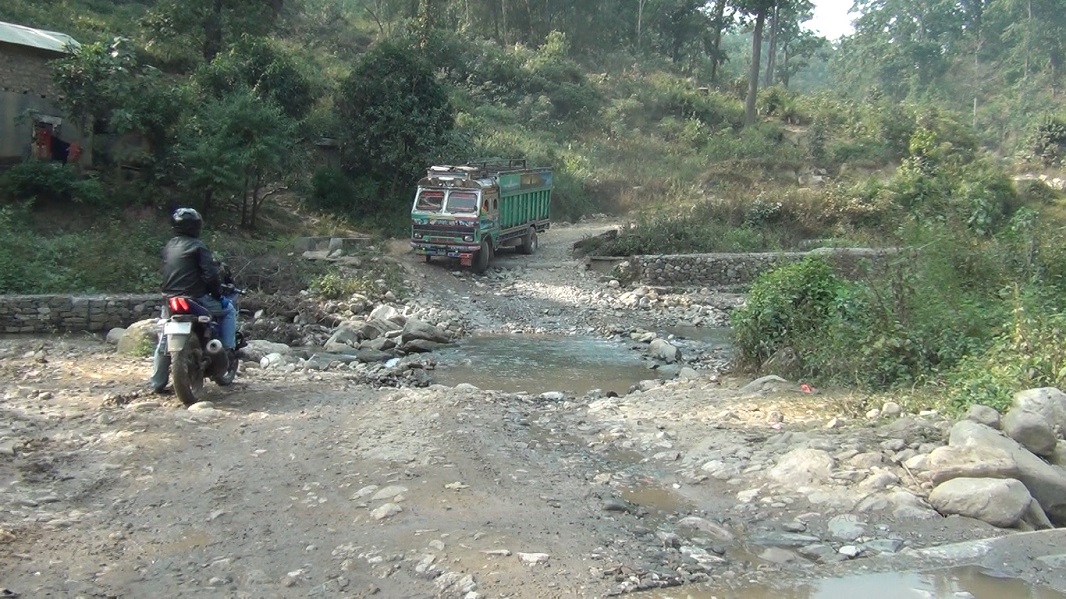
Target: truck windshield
<point x="462" y="202"/>
<point x="429" y="200"/>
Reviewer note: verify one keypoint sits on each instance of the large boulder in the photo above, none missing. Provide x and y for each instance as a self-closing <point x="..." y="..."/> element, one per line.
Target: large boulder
<point x="1000" y="502"/>
<point x="803" y="467"/>
<point x="375" y="327"/>
<point x="379" y="344"/>
<point x="663" y="350"/>
<point x="1031" y="430"/>
<point x="140" y="338"/>
<point x="345" y="335"/>
<point x="416" y="329"/>
<point x="948" y="462"/>
<point x="1049" y="402"/>
<point x="1046" y="482"/>
<point x="386" y="312"/>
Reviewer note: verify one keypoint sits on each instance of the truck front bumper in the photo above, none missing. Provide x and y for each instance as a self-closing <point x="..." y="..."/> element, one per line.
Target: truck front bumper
<point x="464" y="252"/>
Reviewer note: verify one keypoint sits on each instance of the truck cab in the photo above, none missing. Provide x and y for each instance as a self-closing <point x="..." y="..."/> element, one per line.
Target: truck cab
<point x="468" y="212"/>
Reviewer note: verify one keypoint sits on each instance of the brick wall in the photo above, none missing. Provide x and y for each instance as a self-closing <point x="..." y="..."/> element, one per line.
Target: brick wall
<point x="66" y="313"/>
<point x="25" y="70"/>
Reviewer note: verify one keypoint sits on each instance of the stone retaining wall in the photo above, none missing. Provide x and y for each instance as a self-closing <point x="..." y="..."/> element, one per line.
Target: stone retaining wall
<point x="738" y="270"/>
<point x="66" y="313"/>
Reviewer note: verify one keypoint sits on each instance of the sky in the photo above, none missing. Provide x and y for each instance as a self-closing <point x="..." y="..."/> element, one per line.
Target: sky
<point x="831" y="18"/>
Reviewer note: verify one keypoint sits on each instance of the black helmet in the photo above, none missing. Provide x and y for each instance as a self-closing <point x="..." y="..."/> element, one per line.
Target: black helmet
<point x="187" y="221"/>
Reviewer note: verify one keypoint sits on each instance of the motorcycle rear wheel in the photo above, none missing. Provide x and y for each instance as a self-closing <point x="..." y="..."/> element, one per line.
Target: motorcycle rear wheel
<point x="226" y="378"/>
<point x="188" y="368"/>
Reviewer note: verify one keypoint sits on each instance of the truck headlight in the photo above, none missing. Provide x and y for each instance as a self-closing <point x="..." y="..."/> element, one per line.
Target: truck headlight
<point x="418" y="236"/>
<point x="468" y="238"/>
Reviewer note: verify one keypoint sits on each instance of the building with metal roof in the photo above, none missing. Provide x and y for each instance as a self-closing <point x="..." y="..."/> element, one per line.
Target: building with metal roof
<point x="20" y="35"/>
<point x="32" y="120"/>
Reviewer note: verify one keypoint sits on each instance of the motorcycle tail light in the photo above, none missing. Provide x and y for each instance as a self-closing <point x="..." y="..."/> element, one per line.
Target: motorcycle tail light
<point x="178" y="305"/>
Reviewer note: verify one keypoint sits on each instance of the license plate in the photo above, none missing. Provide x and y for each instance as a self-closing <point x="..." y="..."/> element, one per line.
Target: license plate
<point x="177" y="328"/>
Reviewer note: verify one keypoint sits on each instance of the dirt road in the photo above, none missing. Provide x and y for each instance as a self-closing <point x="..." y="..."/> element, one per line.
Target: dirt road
<point x="308" y="484"/>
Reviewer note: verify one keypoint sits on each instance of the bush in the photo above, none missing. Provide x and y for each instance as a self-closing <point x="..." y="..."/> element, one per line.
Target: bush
<point x="331" y="190"/>
<point x="1030" y="352"/>
<point x="48" y="181"/>
<point x="789" y="307"/>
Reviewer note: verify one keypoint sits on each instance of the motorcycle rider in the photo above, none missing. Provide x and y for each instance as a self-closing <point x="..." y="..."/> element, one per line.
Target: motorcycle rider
<point x="189" y="269"/>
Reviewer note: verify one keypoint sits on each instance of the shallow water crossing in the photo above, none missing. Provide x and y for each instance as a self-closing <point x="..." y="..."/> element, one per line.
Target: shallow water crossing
<point x="539" y="363"/>
<point x="966" y="582"/>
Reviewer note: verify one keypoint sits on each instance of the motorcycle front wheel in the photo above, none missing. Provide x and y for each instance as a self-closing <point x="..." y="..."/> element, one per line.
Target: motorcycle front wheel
<point x="188" y="367"/>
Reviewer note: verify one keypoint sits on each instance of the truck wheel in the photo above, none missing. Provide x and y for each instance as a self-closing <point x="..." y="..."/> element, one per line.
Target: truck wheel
<point x="484" y="256"/>
<point x="529" y="242"/>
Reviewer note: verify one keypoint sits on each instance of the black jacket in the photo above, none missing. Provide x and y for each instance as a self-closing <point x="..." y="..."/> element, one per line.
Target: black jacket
<point x="189" y="269"/>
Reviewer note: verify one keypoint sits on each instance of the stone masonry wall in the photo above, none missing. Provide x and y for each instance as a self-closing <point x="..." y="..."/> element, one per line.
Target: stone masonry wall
<point x="739" y="270"/>
<point x="65" y="313"/>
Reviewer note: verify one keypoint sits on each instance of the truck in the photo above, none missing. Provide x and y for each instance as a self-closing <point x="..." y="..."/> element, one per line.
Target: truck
<point x="468" y="212"/>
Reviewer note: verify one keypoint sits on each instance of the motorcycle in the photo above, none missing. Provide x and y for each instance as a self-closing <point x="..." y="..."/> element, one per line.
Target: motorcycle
<point x="193" y="340"/>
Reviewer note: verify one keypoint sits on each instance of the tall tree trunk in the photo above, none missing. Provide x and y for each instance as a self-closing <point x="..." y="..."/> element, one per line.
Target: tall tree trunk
<point x="425" y="22"/>
<point x="753" y="72"/>
<point x="716" y="46"/>
<point x="1028" y="40"/>
<point x="771" y="58"/>
<point x="256" y="200"/>
<point x="786" y="73"/>
<point x="503" y="19"/>
<point x="213" y="31"/>
<point x="640" y="21"/>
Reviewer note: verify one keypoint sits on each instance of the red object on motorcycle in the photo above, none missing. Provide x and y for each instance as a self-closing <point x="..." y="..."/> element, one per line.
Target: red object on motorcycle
<point x="179" y="305"/>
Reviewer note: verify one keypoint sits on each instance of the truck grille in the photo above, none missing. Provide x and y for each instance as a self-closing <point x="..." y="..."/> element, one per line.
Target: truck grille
<point x="442" y="230"/>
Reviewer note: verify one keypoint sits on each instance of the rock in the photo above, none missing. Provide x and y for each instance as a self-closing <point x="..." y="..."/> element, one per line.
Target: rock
<point x="1036" y="518"/>
<point x="380" y="344"/>
<point x="802" y="467"/>
<point x="705" y="526"/>
<point x="1046" y="482"/>
<point x="272" y="360"/>
<point x="257" y="349"/>
<point x="416" y="329"/>
<point x="1031" y="430"/>
<point x="850" y="551"/>
<point x="768" y="383"/>
<point x="687" y="374"/>
<point x="385" y="511"/>
<point x="1049" y="402"/>
<point x="384" y="312"/>
<point x="114" y="335"/>
<point x="376" y="327"/>
<point x="984" y="415"/>
<point x="873" y="414"/>
<point x="846" y="527"/>
<point x="140" y="338"/>
<point x="370" y="356"/>
<point x="999" y="502"/>
<point x="532" y="559"/>
<point x="389" y="492"/>
<point x="948" y="462"/>
<point x="883" y="545"/>
<point x="783" y="539"/>
<point x="1058" y="457"/>
<point x="777" y="555"/>
<point x="663" y="350"/>
<point x="891" y="409"/>
<point x="420" y="346"/>
<point x="345" y="335"/>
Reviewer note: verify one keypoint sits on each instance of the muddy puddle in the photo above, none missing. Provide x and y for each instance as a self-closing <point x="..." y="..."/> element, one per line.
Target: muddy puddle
<point x="952" y="583"/>
<point x="540" y="363"/>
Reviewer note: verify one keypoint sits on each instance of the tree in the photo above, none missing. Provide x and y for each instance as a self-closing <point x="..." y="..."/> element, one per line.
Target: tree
<point x="233" y="146"/>
<point x="262" y="66"/>
<point x="395" y="114"/>
<point x="175" y="27"/>
<point x="758" y="10"/>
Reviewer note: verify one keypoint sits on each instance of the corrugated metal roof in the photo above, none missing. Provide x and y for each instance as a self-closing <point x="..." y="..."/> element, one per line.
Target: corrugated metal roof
<point x="35" y="38"/>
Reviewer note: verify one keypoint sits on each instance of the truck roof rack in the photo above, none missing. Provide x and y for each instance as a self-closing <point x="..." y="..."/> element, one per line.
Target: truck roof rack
<point x="477" y="169"/>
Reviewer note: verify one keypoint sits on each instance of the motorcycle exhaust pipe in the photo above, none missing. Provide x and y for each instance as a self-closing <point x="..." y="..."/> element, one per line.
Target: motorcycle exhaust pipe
<point x="214" y="346"/>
